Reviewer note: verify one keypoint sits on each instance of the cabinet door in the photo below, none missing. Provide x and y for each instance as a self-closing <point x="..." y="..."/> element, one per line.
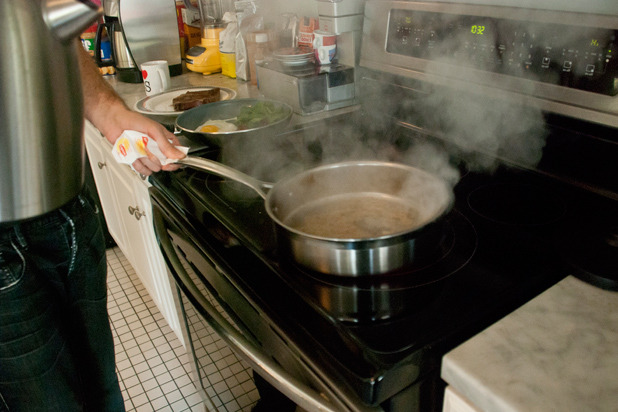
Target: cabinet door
<point x="143" y="249"/>
<point x="102" y="170"/>
<point x="149" y="250"/>
<point x="133" y="217"/>
<point x="127" y="208"/>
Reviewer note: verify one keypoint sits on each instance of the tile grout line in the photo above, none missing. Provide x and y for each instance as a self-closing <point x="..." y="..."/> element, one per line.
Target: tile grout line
<point x="125" y="290"/>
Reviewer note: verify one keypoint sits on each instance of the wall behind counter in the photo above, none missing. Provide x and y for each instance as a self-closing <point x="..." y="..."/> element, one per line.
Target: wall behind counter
<point x="300" y="7"/>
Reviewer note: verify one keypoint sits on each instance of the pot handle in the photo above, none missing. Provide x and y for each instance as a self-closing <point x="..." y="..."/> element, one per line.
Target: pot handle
<point x="222" y="170"/>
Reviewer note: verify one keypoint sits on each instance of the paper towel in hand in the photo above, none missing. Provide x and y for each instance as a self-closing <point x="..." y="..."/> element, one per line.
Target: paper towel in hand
<point x="132" y="145"/>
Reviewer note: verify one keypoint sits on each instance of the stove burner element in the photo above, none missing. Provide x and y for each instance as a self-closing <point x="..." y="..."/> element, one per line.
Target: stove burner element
<point x="516" y="204"/>
<point x="385" y="296"/>
<point x="229" y="192"/>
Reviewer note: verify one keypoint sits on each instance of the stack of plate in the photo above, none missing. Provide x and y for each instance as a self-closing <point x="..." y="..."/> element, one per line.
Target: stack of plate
<point x="294" y="56"/>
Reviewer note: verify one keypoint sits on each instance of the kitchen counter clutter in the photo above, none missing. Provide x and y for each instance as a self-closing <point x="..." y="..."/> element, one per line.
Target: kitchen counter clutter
<point x="558" y="352"/>
<point x="134" y="92"/>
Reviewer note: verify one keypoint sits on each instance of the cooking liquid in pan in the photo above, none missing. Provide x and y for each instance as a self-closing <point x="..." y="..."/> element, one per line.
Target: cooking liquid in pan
<point x="358" y="216"/>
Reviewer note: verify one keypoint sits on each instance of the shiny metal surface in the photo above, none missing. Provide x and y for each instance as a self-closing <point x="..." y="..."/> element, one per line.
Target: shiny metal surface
<point x="549" y="97"/>
<point x="222" y="170"/>
<point x="41" y="115"/>
<point x="429" y="195"/>
<point x="122" y="55"/>
<point x="111" y="7"/>
<point x="151" y="30"/>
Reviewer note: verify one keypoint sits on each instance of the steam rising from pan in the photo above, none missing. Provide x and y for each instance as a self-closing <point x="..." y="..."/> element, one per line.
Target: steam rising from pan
<point x="483" y="129"/>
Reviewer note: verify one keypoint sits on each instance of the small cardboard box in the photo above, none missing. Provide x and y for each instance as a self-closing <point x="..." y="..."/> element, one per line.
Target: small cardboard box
<point x="192" y="27"/>
<point x="193" y="35"/>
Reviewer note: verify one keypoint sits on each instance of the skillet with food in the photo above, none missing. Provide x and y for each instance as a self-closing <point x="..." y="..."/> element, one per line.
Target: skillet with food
<point x="216" y="122"/>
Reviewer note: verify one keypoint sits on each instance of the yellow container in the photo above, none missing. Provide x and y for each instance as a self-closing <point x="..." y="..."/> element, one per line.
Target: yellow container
<point x="228" y="64"/>
<point x="205" y="57"/>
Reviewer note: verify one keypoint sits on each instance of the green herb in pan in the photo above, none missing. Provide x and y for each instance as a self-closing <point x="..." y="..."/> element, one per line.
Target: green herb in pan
<point x="260" y="114"/>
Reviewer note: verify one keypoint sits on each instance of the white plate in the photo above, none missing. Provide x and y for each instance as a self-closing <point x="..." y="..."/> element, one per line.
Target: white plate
<point x="161" y="104"/>
<point x="293" y="56"/>
<point x="295" y="62"/>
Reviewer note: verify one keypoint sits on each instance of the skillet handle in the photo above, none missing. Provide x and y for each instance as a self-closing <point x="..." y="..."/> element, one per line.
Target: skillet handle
<point x="222" y="170"/>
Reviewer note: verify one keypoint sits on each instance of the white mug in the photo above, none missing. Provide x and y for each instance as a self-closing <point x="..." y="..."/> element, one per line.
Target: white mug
<point x="324" y="46"/>
<point x="156" y="76"/>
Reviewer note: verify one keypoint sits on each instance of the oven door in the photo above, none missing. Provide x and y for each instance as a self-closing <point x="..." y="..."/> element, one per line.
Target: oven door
<point x="212" y="309"/>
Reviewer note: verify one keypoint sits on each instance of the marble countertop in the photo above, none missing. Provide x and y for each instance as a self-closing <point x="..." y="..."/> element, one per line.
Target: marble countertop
<point x="558" y="352"/>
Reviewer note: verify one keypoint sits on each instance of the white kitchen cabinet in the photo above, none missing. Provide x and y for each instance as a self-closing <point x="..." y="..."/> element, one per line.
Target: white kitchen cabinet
<point x="103" y="178"/>
<point x="128" y="214"/>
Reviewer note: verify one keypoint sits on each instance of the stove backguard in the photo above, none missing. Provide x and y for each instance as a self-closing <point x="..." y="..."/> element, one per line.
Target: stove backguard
<point x="562" y="62"/>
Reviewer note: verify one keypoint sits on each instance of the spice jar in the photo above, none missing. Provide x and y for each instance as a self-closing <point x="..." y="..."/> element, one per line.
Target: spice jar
<point x="259" y="48"/>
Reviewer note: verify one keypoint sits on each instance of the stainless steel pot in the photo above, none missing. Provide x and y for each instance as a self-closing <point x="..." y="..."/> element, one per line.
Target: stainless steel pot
<point x="41" y="115"/>
<point x="389" y="214"/>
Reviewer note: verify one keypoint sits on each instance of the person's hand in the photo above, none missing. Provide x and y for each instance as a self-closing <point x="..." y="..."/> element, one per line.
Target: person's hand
<point x="108" y="113"/>
<point x="121" y="119"/>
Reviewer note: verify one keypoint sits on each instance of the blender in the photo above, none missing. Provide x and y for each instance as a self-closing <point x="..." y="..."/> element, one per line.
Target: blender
<point x="204" y="58"/>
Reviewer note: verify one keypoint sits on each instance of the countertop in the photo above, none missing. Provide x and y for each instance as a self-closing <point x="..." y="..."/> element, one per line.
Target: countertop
<point x="558" y="352"/>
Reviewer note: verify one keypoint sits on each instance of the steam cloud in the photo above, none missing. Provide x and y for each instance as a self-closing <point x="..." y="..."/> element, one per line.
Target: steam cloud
<point x="477" y="130"/>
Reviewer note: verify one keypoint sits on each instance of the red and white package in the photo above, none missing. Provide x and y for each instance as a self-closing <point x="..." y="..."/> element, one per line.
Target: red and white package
<point x="305" y="31"/>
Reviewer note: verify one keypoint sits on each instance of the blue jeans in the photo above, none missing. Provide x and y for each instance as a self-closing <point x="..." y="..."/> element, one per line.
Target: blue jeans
<point x="56" y="345"/>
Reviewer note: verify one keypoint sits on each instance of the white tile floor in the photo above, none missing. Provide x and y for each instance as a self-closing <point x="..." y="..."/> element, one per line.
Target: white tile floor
<point x="152" y="364"/>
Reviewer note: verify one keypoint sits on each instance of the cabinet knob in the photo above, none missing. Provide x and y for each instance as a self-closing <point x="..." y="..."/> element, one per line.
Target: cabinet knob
<point x="138" y="214"/>
<point x="101" y="165"/>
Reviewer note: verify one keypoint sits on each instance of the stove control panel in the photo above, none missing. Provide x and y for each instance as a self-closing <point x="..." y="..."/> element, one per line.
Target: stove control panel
<point x="578" y="57"/>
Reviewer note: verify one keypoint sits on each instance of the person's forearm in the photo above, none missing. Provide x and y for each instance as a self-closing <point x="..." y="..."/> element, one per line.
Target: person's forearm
<point x="108" y="113"/>
<point x="98" y="94"/>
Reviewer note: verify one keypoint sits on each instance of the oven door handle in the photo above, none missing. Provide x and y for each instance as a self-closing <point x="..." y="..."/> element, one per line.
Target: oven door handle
<point x="300" y="393"/>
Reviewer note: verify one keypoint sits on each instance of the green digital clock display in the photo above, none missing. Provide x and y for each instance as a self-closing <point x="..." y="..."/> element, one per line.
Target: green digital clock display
<point x="478" y="30"/>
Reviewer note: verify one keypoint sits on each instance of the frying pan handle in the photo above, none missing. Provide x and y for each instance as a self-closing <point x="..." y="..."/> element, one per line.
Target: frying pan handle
<point x="222" y="170"/>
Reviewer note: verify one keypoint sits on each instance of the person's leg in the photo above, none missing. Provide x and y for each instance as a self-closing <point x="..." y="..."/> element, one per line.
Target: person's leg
<point x="56" y="347"/>
<point x="87" y="285"/>
<point x="37" y="370"/>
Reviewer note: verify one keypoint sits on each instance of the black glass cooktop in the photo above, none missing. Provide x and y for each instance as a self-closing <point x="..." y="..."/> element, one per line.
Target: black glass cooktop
<point x="512" y="234"/>
<point x="497" y="256"/>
